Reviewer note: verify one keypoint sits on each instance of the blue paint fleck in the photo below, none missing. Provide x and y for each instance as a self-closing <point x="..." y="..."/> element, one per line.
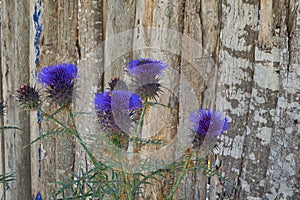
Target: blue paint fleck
<point x="39" y="116"/>
<point x="38" y="28"/>
<point x="40" y="161"/>
<point x="37" y="19"/>
<point x="38" y="196"/>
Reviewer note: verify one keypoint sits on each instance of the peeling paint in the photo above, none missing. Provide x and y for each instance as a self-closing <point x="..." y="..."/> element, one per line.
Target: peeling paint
<point x="266" y="56"/>
<point x="233" y="147"/>
<point x="258" y="116"/>
<point x="266" y="77"/>
<point x="253" y="198"/>
<point x="265" y="135"/>
<point x="258" y="99"/>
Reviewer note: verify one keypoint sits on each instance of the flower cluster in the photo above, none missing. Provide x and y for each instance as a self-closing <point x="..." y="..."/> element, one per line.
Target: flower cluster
<point x="59" y="81"/>
<point x="28" y="97"/>
<point x="146" y="73"/>
<point x="117" y="107"/>
<point x="207" y="123"/>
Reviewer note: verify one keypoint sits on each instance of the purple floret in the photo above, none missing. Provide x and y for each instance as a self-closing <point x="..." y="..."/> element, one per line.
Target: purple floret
<point x="59" y="80"/>
<point x="207" y="123"/>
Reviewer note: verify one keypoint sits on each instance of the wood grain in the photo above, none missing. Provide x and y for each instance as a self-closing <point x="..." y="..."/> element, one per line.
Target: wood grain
<point x="15" y="72"/>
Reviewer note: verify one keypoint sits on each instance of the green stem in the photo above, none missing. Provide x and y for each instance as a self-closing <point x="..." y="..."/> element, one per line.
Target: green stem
<point x="175" y="186"/>
<point x="55" y="120"/>
<point x="9" y="127"/>
<point x="138" y="130"/>
<point x="77" y="136"/>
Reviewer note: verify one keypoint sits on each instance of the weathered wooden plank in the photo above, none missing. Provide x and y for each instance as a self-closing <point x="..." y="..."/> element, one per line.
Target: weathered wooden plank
<point x="193" y="183"/>
<point x="34" y="42"/>
<point x="261" y="121"/>
<point x="282" y="177"/>
<point x="118" y="17"/>
<point x="161" y="43"/>
<point x="202" y="25"/>
<point x="235" y="80"/>
<point x="15" y="65"/>
<point x="2" y="150"/>
<point x="58" y="44"/>
<point x="265" y="24"/>
<point x="90" y="65"/>
<point x="47" y="149"/>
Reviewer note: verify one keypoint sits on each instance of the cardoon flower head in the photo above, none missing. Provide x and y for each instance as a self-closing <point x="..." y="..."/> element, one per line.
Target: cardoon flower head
<point x="117" y="100"/>
<point x="28" y="97"/>
<point x="2" y="106"/>
<point x="114" y="109"/>
<point x="207" y="123"/>
<point x="146" y="73"/>
<point x="59" y="80"/>
<point x="145" y="67"/>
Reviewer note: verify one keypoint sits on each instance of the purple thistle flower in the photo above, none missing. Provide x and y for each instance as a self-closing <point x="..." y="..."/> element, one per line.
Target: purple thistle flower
<point x="207" y="123"/>
<point x="28" y="97"/>
<point x="145" y="67"/>
<point x="60" y="80"/>
<point x="117" y="100"/>
<point x="103" y="102"/>
<point x="146" y="73"/>
<point x="114" y="109"/>
<point x="2" y="106"/>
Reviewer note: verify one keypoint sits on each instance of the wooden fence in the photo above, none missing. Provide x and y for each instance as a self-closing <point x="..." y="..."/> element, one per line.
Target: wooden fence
<point x="253" y="77"/>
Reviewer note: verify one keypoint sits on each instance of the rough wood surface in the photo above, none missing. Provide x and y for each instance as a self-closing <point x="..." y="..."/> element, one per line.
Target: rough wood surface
<point x="282" y="177"/>
<point x="58" y="45"/>
<point x="257" y="152"/>
<point x="90" y="49"/>
<point x="202" y="26"/>
<point x="2" y="155"/>
<point x="247" y="66"/>
<point x="118" y="17"/>
<point x="235" y="80"/>
<point x="161" y="42"/>
<point x="15" y="72"/>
